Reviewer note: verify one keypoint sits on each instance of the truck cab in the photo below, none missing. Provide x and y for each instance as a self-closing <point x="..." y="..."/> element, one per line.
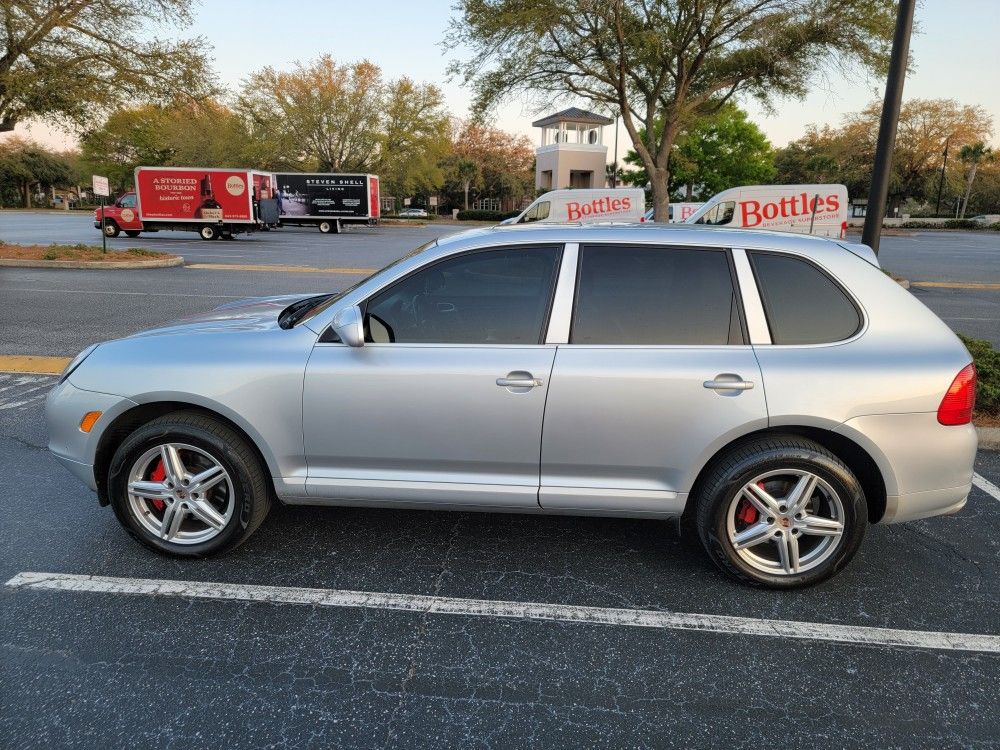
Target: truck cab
<point x="120" y="216"/>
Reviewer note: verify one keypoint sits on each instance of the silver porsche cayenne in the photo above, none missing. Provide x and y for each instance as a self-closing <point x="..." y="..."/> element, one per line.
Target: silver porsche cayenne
<point x="776" y="392"/>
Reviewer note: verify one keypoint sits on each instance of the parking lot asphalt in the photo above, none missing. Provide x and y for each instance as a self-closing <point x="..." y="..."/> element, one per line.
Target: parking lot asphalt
<point x="104" y="669"/>
<point x="100" y="667"/>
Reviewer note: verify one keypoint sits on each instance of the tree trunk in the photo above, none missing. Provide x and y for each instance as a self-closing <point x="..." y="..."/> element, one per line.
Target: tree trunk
<point x="27" y="195"/>
<point x="968" y="189"/>
<point x="689" y="194"/>
<point x="659" y="179"/>
<point x="466" y="185"/>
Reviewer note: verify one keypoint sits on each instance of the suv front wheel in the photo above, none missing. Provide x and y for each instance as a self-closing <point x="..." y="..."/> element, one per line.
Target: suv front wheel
<point x="781" y="511"/>
<point x="188" y="485"/>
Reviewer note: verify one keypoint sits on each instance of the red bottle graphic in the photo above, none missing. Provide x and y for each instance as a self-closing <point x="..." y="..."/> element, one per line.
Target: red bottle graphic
<point x="209" y="208"/>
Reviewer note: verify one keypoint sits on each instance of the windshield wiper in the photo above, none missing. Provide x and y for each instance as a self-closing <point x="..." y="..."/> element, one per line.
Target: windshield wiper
<point x="297" y="310"/>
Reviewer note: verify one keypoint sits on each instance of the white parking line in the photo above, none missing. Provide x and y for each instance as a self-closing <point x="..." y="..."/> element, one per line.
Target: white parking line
<point x="986" y="486"/>
<point x="441" y="605"/>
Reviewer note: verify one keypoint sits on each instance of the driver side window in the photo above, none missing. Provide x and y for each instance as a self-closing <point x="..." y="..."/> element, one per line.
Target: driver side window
<point x="719" y="215"/>
<point x="483" y="297"/>
<point x="127" y="201"/>
<point x="538" y="212"/>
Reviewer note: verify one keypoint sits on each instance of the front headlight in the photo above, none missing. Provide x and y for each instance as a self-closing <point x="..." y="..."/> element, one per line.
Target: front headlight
<point x="77" y="361"/>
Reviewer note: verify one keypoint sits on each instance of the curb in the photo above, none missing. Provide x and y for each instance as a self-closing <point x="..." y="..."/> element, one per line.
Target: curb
<point x="95" y="264"/>
<point x="989" y="438"/>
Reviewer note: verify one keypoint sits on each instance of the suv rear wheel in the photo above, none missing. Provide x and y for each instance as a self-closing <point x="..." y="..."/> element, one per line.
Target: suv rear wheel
<point x="782" y="512"/>
<point x="188" y="485"/>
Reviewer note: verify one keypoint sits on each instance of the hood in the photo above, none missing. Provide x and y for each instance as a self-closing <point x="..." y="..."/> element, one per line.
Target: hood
<point x="258" y="313"/>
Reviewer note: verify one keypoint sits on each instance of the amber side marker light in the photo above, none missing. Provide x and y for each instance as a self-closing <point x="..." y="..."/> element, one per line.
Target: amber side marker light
<point x="959" y="401"/>
<point x="89" y="420"/>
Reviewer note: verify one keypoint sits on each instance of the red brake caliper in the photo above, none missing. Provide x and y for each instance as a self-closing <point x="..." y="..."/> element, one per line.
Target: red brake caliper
<point x="745" y="512"/>
<point x="158" y="475"/>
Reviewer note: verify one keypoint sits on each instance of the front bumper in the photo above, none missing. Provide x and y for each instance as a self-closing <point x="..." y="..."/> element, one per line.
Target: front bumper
<point x="75" y="449"/>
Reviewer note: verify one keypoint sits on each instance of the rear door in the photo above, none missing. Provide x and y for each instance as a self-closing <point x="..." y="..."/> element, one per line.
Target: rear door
<point x="655" y="377"/>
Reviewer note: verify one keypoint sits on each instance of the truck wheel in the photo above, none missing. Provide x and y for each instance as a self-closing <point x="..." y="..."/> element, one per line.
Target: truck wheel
<point x="132" y="232"/>
<point x="326" y="227"/>
<point x="208" y="232"/>
<point x="111" y="228"/>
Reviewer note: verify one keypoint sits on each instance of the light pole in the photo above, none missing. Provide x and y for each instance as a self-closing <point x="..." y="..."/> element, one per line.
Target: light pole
<point x="879" y="193"/>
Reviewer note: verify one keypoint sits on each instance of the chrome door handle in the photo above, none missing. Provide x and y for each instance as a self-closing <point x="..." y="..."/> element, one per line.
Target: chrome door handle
<point x="518" y="382"/>
<point x="728" y="385"/>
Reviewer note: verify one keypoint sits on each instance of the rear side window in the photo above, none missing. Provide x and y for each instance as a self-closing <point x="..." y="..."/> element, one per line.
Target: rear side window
<point x="803" y="304"/>
<point x="655" y="295"/>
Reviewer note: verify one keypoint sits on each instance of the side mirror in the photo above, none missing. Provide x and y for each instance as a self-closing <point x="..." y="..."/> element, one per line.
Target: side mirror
<point x="349" y="326"/>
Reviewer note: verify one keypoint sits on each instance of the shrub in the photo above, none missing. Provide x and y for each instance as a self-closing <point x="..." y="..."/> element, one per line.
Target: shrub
<point x="987" y="361"/>
<point x="963" y="224"/>
<point x="472" y="215"/>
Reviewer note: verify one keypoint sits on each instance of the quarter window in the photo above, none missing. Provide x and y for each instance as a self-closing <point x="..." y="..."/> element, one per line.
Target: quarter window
<point x="655" y="295"/>
<point x="484" y="297"/>
<point x="803" y="304"/>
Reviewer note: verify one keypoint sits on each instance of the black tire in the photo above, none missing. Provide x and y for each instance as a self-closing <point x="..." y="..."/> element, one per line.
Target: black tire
<point x="208" y="232"/>
<point x="722" y="488"/>
<point x="111" y="228"/>
<point x="326" y="227"/>
<point x="252" y="492"/>
<point x="132" y="232"/>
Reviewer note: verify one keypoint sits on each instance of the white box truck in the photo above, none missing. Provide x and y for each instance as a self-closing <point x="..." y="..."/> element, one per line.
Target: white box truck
<point x="584" y="206"/>
<point x="802" y="209"/>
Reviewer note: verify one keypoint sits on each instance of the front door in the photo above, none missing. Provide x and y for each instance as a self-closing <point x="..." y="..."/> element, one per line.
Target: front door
<point x="655" y="377"/>
<point x="444" y="403"/>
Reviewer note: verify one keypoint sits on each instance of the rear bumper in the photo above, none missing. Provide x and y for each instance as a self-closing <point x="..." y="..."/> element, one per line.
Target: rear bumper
<point x="917" y="505"/>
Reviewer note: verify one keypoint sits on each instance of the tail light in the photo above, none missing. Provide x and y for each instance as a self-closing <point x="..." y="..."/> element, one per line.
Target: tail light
<point x="843" y="230"/>
<point x="957" y="404"/>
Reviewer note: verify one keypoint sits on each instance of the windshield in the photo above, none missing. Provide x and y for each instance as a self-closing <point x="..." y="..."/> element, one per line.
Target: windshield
<point x="340" y="295"/>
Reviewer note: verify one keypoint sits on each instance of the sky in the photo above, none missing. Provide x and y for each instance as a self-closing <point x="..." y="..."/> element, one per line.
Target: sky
<point x="955" y="55"/>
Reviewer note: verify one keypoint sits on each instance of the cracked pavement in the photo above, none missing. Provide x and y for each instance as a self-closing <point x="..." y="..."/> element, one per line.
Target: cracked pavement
<point x="94" y="670"/>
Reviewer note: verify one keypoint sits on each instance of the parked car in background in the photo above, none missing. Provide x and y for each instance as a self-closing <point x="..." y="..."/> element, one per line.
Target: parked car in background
<point x="779" y="392"/>
<point x="413" y="212"/>
<point x="987" y="219"/>
<point x="804" y="209"/>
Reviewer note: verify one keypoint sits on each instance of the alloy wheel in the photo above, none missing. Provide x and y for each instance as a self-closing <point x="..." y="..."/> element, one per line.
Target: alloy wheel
<point x="785" y="522"/>
<point x="180" y="493"/>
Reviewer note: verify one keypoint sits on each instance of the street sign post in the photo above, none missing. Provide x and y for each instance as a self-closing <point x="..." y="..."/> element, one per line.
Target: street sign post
<point x="102" y="189"/>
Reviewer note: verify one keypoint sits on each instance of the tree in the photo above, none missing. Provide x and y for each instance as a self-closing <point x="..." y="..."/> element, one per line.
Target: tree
<point x="332" y="111"/>
<point x="672" y="61"/>
<point x="24" y="164"/>
<point x="719" y="151"/>
<point x="925" y="125"/>
<point x="973" y="155"/>
<point x="346" y="118"/>
<point x="73" y="60"/>
<point x="487" y="161"/>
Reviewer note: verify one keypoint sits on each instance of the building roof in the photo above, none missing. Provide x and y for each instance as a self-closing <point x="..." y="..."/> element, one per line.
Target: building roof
<point x="573" y="114"/>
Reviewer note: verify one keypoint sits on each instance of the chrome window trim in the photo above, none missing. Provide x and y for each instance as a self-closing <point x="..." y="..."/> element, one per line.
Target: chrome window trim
<point x="561" y="313"/>
<point x="753" y="305"/>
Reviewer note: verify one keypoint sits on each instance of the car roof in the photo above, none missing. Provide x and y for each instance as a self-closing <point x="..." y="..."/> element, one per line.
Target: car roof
<point x="695" y="235"/>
